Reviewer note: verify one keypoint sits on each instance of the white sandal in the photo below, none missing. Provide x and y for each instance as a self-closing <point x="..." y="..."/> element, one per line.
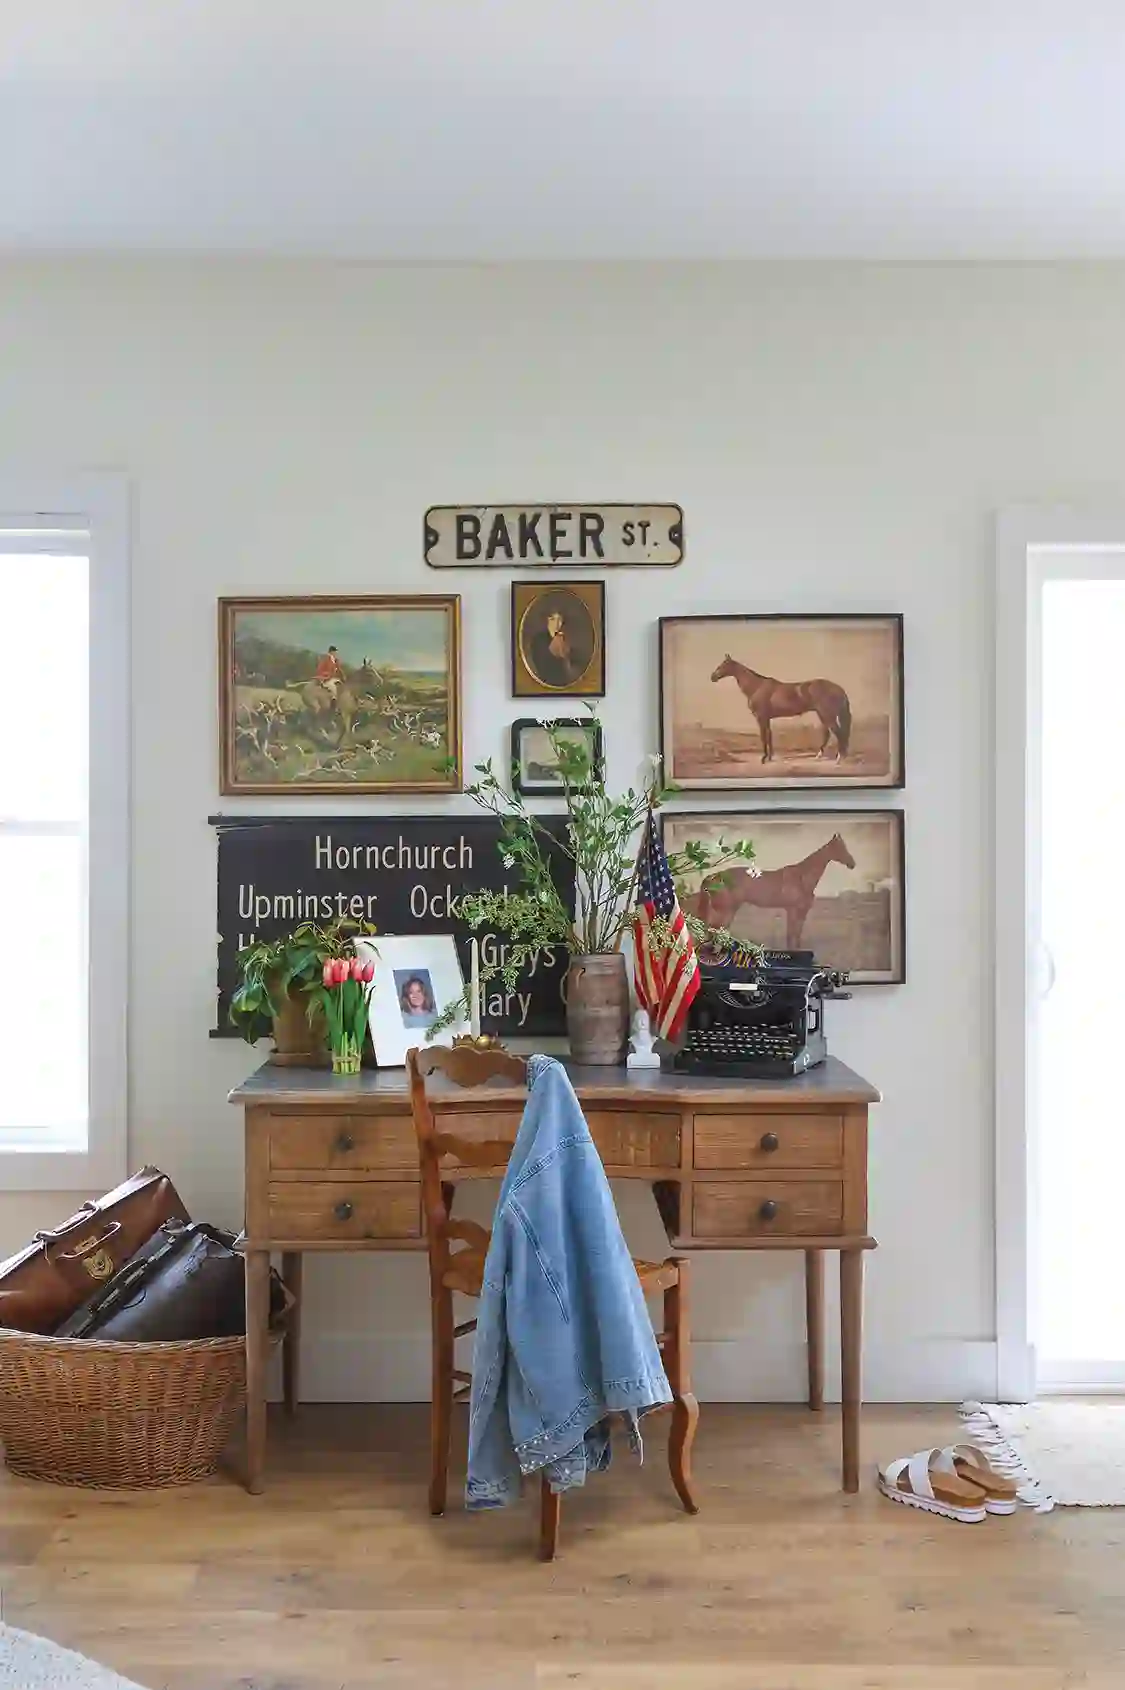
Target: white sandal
<point x="1001" y="1495"/>
<point x="915" y="1481"/>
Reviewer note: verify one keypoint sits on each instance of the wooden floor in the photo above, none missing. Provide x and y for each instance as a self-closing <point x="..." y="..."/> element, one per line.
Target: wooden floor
<point x="337" y="1577"/>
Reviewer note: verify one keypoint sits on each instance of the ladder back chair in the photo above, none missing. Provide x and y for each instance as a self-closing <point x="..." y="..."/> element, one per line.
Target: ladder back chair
<point x="441" y="1153"/>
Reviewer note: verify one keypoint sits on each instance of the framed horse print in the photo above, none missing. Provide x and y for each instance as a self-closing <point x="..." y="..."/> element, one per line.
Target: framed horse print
<point x="828" y="881"/>
<point x="781" y="702"/>
<point x="340" y="695"/>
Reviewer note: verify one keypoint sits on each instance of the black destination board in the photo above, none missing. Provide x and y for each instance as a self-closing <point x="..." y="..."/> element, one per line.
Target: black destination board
<point x="404" y="873"/>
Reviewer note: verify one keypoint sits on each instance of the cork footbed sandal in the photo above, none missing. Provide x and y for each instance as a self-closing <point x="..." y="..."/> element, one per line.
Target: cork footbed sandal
<point x="915" y="1481"/>
<point x="1001" y="1495"/>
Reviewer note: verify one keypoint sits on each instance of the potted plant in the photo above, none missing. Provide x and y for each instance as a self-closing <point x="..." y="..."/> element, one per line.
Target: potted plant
<point x="601" y="839"/>
<point x="277" y="977"/>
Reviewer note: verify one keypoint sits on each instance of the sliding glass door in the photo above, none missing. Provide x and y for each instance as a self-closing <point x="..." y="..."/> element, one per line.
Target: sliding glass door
<point x="1077" y="1054"/>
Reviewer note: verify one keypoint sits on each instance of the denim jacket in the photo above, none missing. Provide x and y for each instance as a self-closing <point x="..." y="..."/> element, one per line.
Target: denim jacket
<point x="563" y="1335"/>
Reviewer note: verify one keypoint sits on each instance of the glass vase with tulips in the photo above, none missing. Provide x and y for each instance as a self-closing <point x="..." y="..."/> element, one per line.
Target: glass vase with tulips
<point x="342" y="996"/>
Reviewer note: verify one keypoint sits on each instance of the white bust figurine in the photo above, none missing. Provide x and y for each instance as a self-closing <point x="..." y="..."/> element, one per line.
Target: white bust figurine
<point x="642" y="1054"/>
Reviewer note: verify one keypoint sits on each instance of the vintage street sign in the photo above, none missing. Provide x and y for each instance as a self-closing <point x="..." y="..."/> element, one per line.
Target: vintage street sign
<point x="464" y="536"/>
<point x="404" y="873"/>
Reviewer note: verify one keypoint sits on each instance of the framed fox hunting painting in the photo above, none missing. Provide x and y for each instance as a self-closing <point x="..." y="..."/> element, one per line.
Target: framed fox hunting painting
<point x="340" y="695"/>
<point x="829" y="881"/>
<point x="775" y="702"/>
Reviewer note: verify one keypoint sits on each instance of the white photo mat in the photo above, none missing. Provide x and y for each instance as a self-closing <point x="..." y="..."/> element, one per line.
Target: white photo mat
<point x="415" y="977"/>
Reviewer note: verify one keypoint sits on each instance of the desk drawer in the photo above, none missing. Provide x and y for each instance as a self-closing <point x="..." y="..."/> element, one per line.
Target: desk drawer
<point x="628" y="1139"/>
<point x="625" y="1138"/>
<point x="761" y="1208"/>
<point x="325" y="1210"/>
<point x="339" y="1144"/>
<point x="763" y="1141"/>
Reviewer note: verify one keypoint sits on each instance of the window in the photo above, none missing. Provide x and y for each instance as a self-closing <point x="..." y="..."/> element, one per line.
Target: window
<point x="63" y="834"/>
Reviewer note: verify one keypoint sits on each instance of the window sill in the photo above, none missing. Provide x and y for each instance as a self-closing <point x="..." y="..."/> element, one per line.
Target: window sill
<point x="50" y="1159"/>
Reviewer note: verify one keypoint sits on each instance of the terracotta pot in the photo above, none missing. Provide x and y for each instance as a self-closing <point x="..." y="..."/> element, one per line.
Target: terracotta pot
<point x="597" y="1009"/>
<point x="296" y="1044"/>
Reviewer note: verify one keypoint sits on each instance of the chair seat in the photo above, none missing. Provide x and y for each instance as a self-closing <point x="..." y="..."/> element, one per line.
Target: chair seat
<point x="466" y="1273"/>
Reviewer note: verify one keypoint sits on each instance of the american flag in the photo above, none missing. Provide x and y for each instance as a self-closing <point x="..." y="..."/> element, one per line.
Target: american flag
<point x="667" y="975"/>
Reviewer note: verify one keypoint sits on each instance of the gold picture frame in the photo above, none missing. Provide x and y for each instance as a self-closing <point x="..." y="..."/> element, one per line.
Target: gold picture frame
<point x="338" y="695"/>
<point x="558" y="639"/>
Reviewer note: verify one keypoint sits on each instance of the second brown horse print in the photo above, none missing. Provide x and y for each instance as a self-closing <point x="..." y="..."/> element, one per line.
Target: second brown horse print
<point x="782" y="701"/>
<point x="827" y="881"/>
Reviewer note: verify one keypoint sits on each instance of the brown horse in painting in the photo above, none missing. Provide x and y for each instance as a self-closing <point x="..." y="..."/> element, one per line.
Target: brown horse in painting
<point x="337" y="706"/>
<point x="791" y="889"/>
<point x="767" y="698"/>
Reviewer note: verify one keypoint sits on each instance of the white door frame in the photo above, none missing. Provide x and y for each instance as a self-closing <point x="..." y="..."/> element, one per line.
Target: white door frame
<point x="1026" y="538"/>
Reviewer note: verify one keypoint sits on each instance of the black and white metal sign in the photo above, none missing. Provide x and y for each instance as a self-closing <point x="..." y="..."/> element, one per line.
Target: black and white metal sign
<point x="544" y="536"/>
<point x="404" y="873"/>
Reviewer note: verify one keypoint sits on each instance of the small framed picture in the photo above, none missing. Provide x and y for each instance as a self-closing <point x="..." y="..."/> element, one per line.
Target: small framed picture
<point x="829" y="881"/>
<point x="558" y="639"/>
<point x="772" y="702"/>
<point x="415" y="977"/>
<point x="535" y="769"/>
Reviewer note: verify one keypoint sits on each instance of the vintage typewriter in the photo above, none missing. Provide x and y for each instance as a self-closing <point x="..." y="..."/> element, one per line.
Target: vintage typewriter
<point x="759" y="1023"/>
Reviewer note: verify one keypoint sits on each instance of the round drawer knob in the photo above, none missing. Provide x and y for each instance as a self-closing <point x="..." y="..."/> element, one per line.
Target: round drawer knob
<point x="770" y="1141"/>
<point x="345" y="1142"/>
<point x="768" y="1210"/>
<point x="344" y="1211"/>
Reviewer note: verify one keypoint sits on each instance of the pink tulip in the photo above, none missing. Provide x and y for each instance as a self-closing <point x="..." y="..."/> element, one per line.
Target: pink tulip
<point x="327" y="974"/>
<point x="357" y="969"/>
<point x="369" y="973"/>
<point x="342" y="970"/>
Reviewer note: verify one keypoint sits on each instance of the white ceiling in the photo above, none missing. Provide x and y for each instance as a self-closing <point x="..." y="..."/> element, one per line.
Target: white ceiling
<point x="513" y="129"/>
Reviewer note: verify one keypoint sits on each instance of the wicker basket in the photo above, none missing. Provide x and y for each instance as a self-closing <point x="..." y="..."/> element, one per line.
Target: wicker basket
<point x="78" y="1411"/>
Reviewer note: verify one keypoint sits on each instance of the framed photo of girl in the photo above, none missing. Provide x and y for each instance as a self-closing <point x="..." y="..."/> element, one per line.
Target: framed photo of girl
<point x="415" y="976"/>
<point x="775" y="702"/>
<point x="828" y="881"/>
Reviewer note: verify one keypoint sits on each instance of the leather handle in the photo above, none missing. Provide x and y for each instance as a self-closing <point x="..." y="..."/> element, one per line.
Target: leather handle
<point x="769" y="1141"/>
<point x="344" y="1211"/>
<point x="80" y="1219"/>
<point x="768" y="1210"/>
<point x="86" y="1246"/>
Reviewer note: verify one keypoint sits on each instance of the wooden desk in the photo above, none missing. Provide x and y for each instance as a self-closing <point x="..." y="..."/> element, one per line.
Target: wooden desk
<point x="331" y="1164"/>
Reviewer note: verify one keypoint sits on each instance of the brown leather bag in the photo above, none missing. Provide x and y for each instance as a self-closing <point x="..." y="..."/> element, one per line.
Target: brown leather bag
<point x="46" y="1282"/>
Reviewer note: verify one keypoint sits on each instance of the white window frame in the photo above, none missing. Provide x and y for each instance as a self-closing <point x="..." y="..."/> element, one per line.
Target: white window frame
<point x="97" y="505"/>
<point x="1026" y="538"/>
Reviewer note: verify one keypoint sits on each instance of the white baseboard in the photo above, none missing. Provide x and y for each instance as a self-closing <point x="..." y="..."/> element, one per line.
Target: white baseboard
<point x="351" y="1367"/>
<point x="1081" y="1378"/>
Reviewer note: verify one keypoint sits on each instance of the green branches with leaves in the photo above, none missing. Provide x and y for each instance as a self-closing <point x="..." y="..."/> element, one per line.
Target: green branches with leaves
<point x="600" y="841"/>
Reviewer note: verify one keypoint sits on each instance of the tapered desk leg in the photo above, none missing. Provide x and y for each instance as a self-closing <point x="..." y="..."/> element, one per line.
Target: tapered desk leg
<point x="291" y="1264"/>
<point x="851" y="1360"/>
<point x="814" y="1325"/>
<point x="257" y="1359"/>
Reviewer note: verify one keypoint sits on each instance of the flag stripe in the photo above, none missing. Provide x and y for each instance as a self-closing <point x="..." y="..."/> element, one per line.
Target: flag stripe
<point x="666" y="975"/>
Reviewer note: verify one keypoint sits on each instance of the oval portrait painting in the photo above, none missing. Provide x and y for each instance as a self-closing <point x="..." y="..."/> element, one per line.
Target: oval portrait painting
<point x="558" y="638"/>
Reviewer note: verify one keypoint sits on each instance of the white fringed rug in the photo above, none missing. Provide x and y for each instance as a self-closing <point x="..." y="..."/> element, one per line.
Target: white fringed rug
<point x="32" y="1663"/>
<point x="1070" y="1453"/>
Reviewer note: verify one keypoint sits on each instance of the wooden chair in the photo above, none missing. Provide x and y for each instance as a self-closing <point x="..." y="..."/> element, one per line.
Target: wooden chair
<point x="463" y="1271"/>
